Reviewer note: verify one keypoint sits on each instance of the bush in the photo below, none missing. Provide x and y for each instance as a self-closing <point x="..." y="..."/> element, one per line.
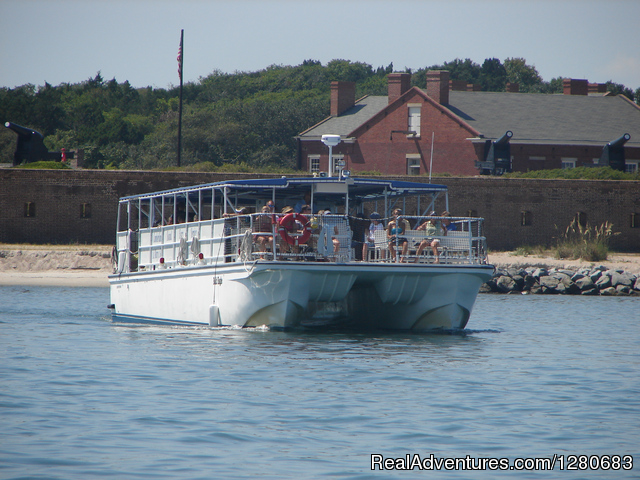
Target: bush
<point x="45" y="165"/>
<point x="584" y="173"/>
<point x="588" y="243"/>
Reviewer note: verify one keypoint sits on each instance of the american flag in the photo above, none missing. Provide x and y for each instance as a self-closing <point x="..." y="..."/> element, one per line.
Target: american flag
<point x="180" y="60"/>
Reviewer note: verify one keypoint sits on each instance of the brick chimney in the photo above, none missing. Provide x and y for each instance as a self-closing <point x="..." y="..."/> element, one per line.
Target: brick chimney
<point x="438" y="86"/>
<point x="398" y="84"/>
<point x="513" y="87"/>
<point x="597" y="88"/>
<point x="343" y="97"/>
<point x="573" y="86"/>
<point x="458" y="85"/>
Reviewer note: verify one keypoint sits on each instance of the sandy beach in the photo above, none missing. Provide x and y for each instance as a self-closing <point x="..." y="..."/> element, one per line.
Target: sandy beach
<point x="89" y="265"/>
<point x="67" y="265"/>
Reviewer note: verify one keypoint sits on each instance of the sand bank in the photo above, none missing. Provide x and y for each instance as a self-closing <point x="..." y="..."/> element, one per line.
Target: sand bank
<point x="89" y="265"/>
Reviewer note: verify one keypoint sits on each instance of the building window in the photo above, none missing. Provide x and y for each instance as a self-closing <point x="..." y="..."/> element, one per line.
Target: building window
<point x="566" y="163"/>
<point x="338" y="164"/>
<point x="85" y="210"/>
<point x="631" y="166"/>
<point x="635" y="220"/>
<point x="314" y="163"/>
<point x="525" y="218"/>
<point x="29" y="209"/>
<point x="413" y="164"/>
<point x="414" y="121"/>
<point x="581" y="219"/>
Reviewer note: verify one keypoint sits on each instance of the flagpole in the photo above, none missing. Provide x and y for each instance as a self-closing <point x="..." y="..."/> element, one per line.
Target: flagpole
<point x="180" y="73"/>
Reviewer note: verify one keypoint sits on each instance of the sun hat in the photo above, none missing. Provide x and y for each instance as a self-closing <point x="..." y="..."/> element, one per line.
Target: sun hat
<point x="375" y="216"/>
<point x="287" y="209"/>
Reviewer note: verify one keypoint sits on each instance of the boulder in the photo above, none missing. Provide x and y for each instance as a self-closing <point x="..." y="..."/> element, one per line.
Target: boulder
<point x="603" y="282"/>
<point x="608" y="291"/>
<point x="536" y="288"/>
<point x="551" y="284"/>
<point x="594" y="275"/>
<point x="622" y="278"/>
<point x="623" y="290"/>
<point x="519" y="279"/>
<point x="539" y="272"/>
<point x="585" y="283"/>
<point x="506" y="284"/>
<point x="590" y="291"/>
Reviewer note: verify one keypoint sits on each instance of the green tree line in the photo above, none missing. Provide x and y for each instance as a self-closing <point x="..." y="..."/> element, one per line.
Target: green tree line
<point x="234" y="121"/>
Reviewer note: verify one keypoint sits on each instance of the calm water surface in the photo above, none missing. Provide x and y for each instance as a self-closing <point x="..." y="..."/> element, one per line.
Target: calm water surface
<point x="532" y="376"/>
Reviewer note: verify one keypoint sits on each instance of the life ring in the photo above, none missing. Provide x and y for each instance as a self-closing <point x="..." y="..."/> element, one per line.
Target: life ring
<point x="285" y="225"/>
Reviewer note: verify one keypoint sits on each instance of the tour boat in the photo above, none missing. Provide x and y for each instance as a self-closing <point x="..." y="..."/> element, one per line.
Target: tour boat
<point x="218" y="255"/>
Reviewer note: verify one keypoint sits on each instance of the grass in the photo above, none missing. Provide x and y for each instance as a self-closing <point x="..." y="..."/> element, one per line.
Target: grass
<point x="585" y="242"/>
<point x="526" y="250"/>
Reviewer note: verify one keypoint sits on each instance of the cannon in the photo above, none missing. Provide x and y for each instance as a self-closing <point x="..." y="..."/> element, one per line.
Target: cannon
<point x="497" y="158"/>
<point x="613" y="153"/>
<point x="30" y="146"/>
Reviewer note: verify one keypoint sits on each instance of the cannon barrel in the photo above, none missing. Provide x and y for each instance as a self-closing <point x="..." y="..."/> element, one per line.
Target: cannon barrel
<point x="618" y="142"/>
<point x="22" y="131"/>
<point x="504" y="138"/>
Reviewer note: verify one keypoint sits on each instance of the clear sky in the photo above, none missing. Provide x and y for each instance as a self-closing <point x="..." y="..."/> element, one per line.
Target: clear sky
<point x="69" y="41"/>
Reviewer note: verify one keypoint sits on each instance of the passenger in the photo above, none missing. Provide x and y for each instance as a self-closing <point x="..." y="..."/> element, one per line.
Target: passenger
<point x="431" y="231"/>
<point x="395" y="229"/>
<point x="447" y="226"/>
<point x="302" y="202"/>
<point x="263" y="224"/>
<point x="328" y="222"/>
<point x="370" y="235"/>
<point x="284" y="246"/>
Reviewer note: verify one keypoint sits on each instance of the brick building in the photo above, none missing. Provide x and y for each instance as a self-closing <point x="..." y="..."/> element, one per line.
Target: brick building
<point x="451" y="127"/>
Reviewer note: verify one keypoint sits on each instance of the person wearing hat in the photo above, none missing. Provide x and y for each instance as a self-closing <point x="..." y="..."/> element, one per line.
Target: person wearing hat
<point x="370" y="236"/>
<point x="395" y="231"/>
<point x="430" y="231"/>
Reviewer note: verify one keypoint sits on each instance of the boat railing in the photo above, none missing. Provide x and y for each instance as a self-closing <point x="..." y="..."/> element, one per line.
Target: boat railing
<point x="334" y="238"/>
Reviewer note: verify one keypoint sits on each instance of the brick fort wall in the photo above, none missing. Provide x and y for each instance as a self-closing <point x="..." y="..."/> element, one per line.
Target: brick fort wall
<point x="80" y="206"/>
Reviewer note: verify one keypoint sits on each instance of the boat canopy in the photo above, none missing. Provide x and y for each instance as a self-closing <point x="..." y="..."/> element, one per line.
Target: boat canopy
<point x="362" y="188"/>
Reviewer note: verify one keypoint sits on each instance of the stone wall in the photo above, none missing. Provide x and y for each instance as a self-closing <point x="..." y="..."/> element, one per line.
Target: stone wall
<point x="80" y="206"/>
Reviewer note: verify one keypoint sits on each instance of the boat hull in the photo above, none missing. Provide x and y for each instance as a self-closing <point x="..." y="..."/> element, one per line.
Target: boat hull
<point x="294" y="294"/>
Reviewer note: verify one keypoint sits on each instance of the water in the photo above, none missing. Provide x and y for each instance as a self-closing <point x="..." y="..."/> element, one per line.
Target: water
<point x="533" y="376"/>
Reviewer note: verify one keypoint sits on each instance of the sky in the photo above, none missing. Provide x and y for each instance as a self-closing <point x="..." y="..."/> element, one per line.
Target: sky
<point x="69" y="41"/>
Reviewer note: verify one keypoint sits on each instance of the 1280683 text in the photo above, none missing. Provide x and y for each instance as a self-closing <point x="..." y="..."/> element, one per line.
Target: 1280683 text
<point x="562" y="462"/>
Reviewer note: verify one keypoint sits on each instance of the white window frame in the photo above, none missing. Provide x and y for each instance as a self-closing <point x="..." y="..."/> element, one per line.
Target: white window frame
<point x="413" y="163"/>
<point x="336" y="159"/>
<point x="314" y="163"/>
<point x="631" y="166"/>
<point x="568" y="162"/>
<point x="414" y="117"/>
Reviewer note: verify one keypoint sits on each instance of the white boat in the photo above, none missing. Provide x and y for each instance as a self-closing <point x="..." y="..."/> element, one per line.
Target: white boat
<point x="206" y="268"/>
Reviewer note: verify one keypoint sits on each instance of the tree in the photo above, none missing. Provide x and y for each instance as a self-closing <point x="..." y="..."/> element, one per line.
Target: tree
<point x="526" y="76"/>
<point x="619" y="89"/>
<point x="493" y="75"/>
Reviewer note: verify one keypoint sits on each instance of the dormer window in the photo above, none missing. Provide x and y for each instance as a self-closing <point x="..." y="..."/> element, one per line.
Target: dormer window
<point x="414" y="119"/>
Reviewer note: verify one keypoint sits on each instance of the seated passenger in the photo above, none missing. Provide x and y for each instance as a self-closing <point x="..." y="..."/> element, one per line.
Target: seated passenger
<point x="395" y="229"/>
<point x="369" y="241"/>
<point x="447" y="226"/>
<point x="431" y="231"/>
<point x="263" y="225"/>
<point x="328" y="222"/>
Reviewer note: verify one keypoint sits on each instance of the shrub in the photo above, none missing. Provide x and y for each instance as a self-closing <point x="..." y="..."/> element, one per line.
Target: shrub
<point x="588" y="243"/>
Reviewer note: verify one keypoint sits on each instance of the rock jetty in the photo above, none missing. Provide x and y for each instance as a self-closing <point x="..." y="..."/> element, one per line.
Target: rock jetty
<point x="598" y="280"/>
